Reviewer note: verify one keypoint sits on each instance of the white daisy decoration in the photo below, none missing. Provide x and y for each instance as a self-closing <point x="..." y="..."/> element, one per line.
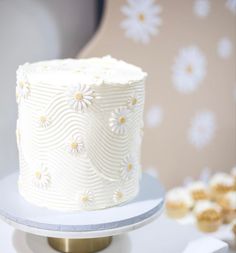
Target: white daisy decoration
<point x="86" y="198"/>
<point x="128" y="168"/>
<point x="80" y="97"/>
<point x="202" y="129"/>
<point x="224" y="48"/>
<point x="231" y="5"/>
<point x="75" y="145"/>
<point x="41" y="177"/>
<point x="189" y="69"/>
<point x="154" y="116"/>
<point x="118" y="121"/>
<point x="22" y="91"/>
<point x="133" y="101"/>
<point x="118" y="196"/>
<point x="142" y="19"/>
<point x="44" y="121"/>
<point x="201" y="8"/>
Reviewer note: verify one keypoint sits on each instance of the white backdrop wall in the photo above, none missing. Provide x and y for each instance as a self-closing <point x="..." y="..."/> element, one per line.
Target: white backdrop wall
<point x="33" y="30"/>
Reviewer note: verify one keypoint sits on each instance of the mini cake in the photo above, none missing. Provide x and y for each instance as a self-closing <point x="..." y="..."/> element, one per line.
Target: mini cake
<point x="198" y="191"/>
<point x="228" y="204"/>
<point x="79" y="132"/>
<point x="208" y="216"/>
<point x="178" y="203"/>
<point x="234" y="227"/>
<point x="220" y="184"/>
<point x="233" y="173"/>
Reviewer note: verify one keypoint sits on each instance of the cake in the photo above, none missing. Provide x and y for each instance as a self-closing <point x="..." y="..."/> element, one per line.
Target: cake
<point x="198" y="191"/>
<point x="233" y="173"/>
<point x="178" y="203"/>
<point x="208" y="216"/>
<point x="220" y="184"/>
<point x="228" y="204"/>
<point x="79" y="132"/>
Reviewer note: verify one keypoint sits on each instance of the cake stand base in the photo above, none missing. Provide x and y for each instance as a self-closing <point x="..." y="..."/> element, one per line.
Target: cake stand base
<point x="85" y="231"/>
<point x="79" y="245"/>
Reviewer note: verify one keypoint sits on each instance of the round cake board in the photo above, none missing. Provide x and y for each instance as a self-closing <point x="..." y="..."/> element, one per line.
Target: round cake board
<point x="22" y="215"/>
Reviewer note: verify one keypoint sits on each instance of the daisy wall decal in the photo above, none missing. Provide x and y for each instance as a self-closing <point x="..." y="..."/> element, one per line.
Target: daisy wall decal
<point x="224" y="48"/>
<point x="80" y="97"/>
<point x="154" y="116"/>
<point x="201" y="8"/>
<point x="202" y="129"/>
<point x="142" y="19"/>
<point x="231" y="5"/>
<point x="119" y="120"/>
<point x="189" y="69"/>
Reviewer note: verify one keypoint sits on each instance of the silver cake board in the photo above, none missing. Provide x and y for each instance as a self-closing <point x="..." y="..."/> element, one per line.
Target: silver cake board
<point x="24" y="216"/>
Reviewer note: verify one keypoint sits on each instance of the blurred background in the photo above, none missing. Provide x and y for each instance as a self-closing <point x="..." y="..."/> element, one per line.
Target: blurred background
<point x="186" y="46"/>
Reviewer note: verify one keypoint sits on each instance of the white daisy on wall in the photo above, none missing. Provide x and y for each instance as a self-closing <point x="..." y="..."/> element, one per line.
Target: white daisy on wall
<point x="118" y="121"/>
<point x="189" y="69"/>
<point x="231" y="5"/>
<point x="224" y="48"/>
<point x="128" y="168"/>
<point x="202" y="129"/>
<point x="154" y="116"/>
<point x="41" y="177"/>
<point x="142" y="19"/>
<point x="86" y="198"/>
<point x="201" y="8"/>
<point x="80" y="97"/>
<point x="75" y="145"/>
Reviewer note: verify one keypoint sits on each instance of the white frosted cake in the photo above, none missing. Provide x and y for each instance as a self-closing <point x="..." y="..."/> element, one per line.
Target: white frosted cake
<point x="79" y="132"/>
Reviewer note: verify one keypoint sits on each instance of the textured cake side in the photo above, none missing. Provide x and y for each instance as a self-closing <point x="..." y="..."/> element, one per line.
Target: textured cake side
<point x="79" y="145"/>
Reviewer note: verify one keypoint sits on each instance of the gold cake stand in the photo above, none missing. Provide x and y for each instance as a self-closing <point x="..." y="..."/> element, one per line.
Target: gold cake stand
<point x="80" y="232"/>
<point x="79" y="245"/>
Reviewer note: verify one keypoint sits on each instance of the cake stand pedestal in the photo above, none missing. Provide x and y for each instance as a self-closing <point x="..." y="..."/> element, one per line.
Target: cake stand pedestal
<point x="85" y="231"/>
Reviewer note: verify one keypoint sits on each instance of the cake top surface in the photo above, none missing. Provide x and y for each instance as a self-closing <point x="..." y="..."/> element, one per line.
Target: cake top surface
<point x="222" y="179"/>
<point x="197" y="186"/>
<point x="91" y="71"/>
<point x="206" y="205"/>
<point x="230" y="197"/>
<point x="179" y="195"/>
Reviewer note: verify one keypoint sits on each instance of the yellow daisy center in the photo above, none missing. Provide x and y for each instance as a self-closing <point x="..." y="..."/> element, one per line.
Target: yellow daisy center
<point x="85" y="198"/>
<point x="74" y="145"/>
<point x="130" y="167"/>
<point x="122" y="120"/>
<point x="78" y="96"/>
<point x="134" y="101"/>
<point x="43" y="119"/>
<point x="119" y="195"/>
<point x="38" y="175"/>
<point x="189" y="69"/>
<point x="141" y="17"/>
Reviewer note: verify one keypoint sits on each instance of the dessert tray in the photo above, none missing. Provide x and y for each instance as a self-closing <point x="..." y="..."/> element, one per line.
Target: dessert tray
<point x="80" y="232"/>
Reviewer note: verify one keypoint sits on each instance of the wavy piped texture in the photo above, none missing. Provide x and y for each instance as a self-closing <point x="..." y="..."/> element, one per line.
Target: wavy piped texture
<point x="71" y="158"/>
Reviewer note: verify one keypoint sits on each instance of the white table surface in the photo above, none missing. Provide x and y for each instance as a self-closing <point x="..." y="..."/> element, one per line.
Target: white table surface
<point x="161" y="236"/>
